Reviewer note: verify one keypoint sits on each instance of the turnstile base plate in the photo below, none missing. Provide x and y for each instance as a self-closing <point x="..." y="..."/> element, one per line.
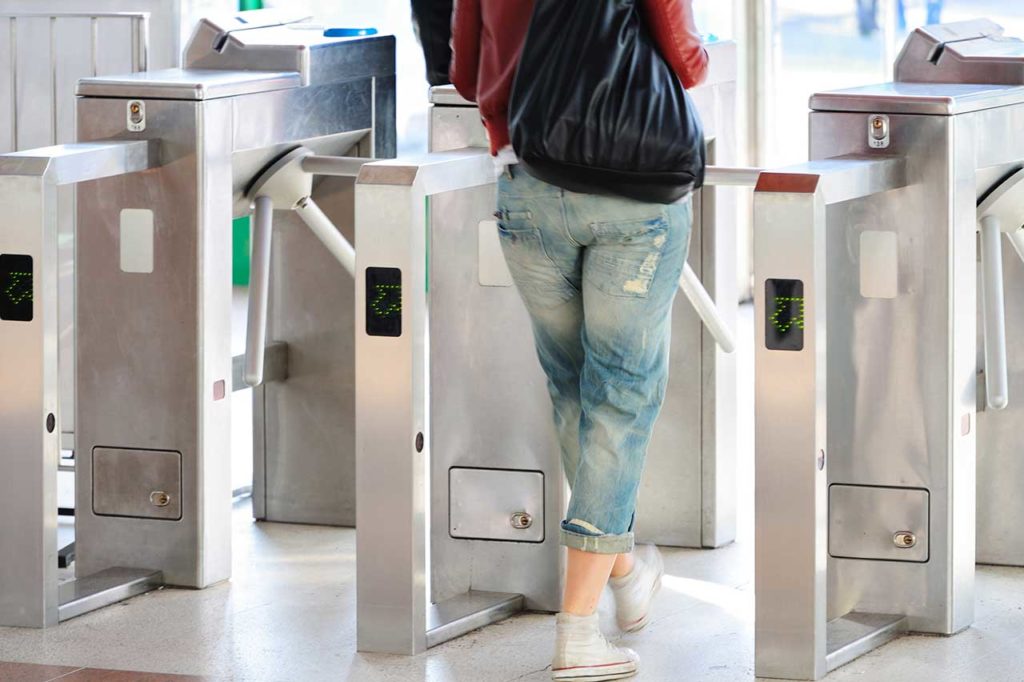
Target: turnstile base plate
<point x="855" y="634"/>
<point x="464" y="613"/>
<point x="104" y="588"/>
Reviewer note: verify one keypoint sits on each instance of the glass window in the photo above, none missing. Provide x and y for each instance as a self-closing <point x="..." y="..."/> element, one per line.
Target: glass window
<point x="816" y="45"/>
<point x="913" y="13"/>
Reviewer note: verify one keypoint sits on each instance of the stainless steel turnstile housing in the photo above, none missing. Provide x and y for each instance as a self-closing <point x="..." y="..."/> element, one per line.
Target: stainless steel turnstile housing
<point x="867" y="354"/>
<point x="47" y="46"/>
<point x="155" y="202"/>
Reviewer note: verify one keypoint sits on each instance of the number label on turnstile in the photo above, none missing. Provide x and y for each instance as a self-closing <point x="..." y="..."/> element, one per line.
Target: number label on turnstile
<point x="383" y="302"/>
<point x="784" y="310"/>
<point x="15" y="288"/>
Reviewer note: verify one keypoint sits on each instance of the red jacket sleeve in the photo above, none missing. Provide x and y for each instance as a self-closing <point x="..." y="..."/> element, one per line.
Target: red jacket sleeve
<point x="675" y="32"/>
<point x="466" y="29"/>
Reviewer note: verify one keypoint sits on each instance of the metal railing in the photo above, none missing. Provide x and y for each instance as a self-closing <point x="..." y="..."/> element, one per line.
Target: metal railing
<point x="139" y="52"/>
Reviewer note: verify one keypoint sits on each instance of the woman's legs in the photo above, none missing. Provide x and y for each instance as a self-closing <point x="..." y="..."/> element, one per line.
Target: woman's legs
<point x="586" y="574"/>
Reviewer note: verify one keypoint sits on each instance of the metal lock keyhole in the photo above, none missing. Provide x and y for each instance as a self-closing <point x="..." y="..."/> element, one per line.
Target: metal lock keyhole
<point x="878" y="131"/>
<point x="904" y="539"/>
<point x="159" y="498"/>
<point x="521" y="520"/>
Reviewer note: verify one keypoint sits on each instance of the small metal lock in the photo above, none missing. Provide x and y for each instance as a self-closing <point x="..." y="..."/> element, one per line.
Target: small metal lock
<point x="904" y="539"/>
<point x="878" y="131"/>
<point x="521" y="520"/>
<point x="159" y="498"/>
<point x="136" y="116"/>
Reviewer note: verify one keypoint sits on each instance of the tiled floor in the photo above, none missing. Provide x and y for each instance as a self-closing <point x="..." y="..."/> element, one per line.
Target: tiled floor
<point x="30" y="672"/>
<point x="288" y="615"/>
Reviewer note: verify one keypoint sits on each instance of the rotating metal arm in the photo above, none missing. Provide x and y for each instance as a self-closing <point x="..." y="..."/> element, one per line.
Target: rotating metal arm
<point x="1001" y="211"/>
<point x="288" y="182"/>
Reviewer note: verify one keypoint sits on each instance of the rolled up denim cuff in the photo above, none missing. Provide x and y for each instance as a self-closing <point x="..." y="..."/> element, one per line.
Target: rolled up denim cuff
<point x="596" y="544"/>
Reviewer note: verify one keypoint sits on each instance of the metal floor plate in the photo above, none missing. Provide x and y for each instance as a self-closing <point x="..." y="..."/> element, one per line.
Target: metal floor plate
<point x="855" y="634"/>
<point x="466" y="612"/>
<point x="104" y="588"/>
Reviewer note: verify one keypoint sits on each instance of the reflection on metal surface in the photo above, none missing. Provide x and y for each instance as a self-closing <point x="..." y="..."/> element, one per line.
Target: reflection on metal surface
<point x="105" y="588"/>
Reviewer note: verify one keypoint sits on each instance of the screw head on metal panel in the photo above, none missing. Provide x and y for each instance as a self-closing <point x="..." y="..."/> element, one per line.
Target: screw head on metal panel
<point x="419" y="442"/>
<point x="159" y="498"/>
<point x="904" y="539"/>
<point x="821" y="460"/>
<point x="521" y="520"/>
<point x="51" y="423"/>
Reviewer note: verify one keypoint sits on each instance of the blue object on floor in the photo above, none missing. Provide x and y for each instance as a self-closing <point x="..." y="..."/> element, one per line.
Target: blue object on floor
<point x="349" y="32"/>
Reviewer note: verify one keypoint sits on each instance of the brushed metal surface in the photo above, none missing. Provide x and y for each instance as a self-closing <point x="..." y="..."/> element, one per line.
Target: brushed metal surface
<point x="1000" y="467"/>
<point x="483" y="502"/>
<point x="163" y="353"/>
<point x="124" y="482"/>
<point x="224" y="43"/>
<point x="29" y="384"/>
<point x="864" y="519"/>
<point x="190" y="84"/>
<point x="467" y="612"/>
<point x="902" y="371"/>
<point x="90" y="38"/>
<point x="29" y="391"/>
<point x="791" y="420"/>
<point x="856" y="634"/>
<point x="104" y="588"/>
<point x="931" y="99"/>
<point x="962" y="52"/>
<point x="489" y="408"/>
<point x="794" y="412"/>
<point x="397" y="444"/>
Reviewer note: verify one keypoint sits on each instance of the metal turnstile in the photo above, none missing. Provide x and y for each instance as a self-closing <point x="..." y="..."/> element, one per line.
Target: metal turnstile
<point x="47" y="46"/>
<point x="453" y="425"/>
<point x="179" y="150"/>
<point x="972" y="54"/>
<point x="866" y="285"/>
<point x="304" y="428"/>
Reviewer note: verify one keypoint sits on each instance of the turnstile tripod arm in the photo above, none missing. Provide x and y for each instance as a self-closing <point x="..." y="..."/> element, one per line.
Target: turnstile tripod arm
<point x="1017" y="241"/>
<point x="259" y="290"/>
<point x="993" y="314"/>
<point x="706" y="309"/>
<point x="327" y="233"/>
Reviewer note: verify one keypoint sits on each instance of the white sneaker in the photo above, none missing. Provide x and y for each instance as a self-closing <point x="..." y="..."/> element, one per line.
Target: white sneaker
<point x="582" y="652"/>
<point x="635" y="590"/>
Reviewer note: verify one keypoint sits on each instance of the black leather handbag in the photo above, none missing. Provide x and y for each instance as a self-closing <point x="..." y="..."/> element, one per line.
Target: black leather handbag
<point x="596" y="109"/>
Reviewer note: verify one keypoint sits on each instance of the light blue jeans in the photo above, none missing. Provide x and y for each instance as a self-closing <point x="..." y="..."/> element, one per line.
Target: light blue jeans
<point x="598" y="276"/>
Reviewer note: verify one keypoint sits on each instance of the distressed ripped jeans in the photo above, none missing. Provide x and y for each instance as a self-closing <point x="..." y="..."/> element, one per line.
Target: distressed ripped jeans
<point x="598" y="276"/>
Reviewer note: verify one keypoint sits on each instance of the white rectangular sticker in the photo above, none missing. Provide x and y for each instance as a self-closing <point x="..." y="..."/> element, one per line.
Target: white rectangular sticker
<point x="137" y="240"/>
<point x="493" y="268"/>
<point x="879" y="264"/>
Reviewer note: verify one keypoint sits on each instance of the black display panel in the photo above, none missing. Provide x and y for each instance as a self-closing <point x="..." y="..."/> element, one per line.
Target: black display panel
<point x="383" y="301"/>
<point x="15" y="288"/>
<point x="784" y="313"/>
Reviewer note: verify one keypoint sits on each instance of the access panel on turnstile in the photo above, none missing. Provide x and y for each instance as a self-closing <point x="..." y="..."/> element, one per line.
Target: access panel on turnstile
<point x="154" y="299"/>
<point x="866" y="281"/>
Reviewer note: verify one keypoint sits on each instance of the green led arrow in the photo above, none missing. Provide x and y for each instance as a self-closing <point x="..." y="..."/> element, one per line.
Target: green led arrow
<point x="19" y="287"/>
<point x="784" y="304"/>
<point x="388" y="300"/>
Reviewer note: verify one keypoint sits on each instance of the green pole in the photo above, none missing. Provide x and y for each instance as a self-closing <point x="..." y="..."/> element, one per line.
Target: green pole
<point x="240" y="229"/>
